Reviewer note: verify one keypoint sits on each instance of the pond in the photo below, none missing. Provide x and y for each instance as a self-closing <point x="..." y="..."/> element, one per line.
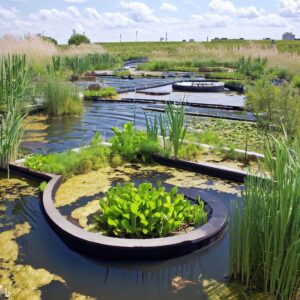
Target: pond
<point x="68" y="272"/>
<point x="58" y="134"/>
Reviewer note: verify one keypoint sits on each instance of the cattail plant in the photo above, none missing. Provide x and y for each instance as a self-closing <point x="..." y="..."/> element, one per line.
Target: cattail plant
<point x="265" y="229"/>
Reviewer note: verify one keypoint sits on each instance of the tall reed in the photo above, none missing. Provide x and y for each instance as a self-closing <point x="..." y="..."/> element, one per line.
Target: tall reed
<point x="15" y="81"/>
<point x="177" y="127"/>
<point x="15" y="86"/>
<point x="265" y="229"/>
<point x="152" y="126"/>
<point x="61" y="98"/>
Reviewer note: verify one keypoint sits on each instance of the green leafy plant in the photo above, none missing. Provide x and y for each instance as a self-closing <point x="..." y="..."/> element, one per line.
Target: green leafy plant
<point x="177" y="127"/>
<point x="265" y="228"/>
<point x="133" y="145"/>
<point x="147" y="212"/>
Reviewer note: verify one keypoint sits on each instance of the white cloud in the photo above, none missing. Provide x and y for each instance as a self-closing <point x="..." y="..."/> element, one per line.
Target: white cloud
<point x="75" y="1"/>
<point x="290" y="8"/>
<point x="227" y="7"/>
<point x="211" y="20"/>
<point x="138" y="11"/>
<point x="8" y="13"/>
<point x="168" y="7"/>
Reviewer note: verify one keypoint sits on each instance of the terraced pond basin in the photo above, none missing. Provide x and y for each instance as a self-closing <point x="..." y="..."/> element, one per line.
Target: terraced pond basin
<point x="36" y="262"/>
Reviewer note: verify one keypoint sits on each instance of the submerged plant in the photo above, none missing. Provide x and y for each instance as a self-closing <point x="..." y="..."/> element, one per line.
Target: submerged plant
<point x="265" y="229"/>
<point x="147" y="212"/>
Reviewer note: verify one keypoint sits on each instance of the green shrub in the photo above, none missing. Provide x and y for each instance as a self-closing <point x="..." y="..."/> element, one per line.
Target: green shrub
<point x="78" y="39"/>
<point x="275" y="106"/>
<point x="133" y="145"/>
<point x="265" y="229"/>
<point x="106" y="93"/>
<point x="147" y="212"/>
<point x="70" y="163"/>
<point x="252" y="67"/>
<point x="61" y="98"/>
<point x="190" y="151"/>
<point x="296" y="81"/>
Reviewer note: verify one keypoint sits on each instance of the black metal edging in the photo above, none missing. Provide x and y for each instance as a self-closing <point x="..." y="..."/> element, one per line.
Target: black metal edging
<point x="96" y="244"/>
<point x="203" y="168"/>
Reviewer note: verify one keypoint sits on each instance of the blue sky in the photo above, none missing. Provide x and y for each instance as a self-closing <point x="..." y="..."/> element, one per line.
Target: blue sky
<point x="105" y="20"/>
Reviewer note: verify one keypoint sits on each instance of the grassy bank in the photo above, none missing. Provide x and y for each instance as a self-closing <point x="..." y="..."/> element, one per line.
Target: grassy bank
<point x="281" y="55"/>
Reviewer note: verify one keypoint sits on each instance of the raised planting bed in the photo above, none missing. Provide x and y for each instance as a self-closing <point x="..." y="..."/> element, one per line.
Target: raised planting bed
<point x="199" y="86"/>
<point x="96" y="244"/>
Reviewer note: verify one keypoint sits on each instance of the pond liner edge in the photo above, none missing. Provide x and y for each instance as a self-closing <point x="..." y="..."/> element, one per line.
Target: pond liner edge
<point x="97" y="245"/>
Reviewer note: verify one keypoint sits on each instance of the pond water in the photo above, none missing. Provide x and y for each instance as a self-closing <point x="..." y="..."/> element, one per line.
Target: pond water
<point x="59" y="134"/>
<point x="68" y="272"/>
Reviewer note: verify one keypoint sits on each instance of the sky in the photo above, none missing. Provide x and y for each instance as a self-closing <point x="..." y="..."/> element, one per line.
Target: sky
<point x="106" y="20"/>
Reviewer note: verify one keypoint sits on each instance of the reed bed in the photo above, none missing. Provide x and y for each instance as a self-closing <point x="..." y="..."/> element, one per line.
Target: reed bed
<point x="265" y="231"/>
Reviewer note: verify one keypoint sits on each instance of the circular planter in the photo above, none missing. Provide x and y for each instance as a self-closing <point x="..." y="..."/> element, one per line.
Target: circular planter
<point x="199" y="86"/>
<point x="119" y="248"/>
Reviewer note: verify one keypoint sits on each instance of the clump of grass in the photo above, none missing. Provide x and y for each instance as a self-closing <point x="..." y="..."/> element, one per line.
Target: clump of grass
<point x="296" y="81"/>
<point x="133" y="145"/>
<point x="177" y="126"/>
<point x="190" y="151"/>
<point x="122" y="73"/>
<point x="265" y="229"/>
<point x="91" y="62"/>
<point x="61" y="98"/>
<point x="71" y="163"/>
<point x="106" y="93"/>
<point x="252" y="67"/>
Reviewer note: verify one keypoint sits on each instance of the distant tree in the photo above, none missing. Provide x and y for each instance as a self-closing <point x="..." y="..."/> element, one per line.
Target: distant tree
<point x="77" y="39"/>
<point x="48" y="39"/>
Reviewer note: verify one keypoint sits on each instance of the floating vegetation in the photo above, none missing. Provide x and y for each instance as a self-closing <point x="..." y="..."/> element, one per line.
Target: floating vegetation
<point x="223" y="291"/>
<point x="14" y="188"/>
<point x="77" y="296"/>
<point x="23" y="281"/>
<point x="82" y="214"/>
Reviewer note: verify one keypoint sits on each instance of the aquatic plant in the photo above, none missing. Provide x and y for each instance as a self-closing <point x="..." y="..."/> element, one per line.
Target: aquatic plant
<point x="106" y="93"/>
<point x="15" y="87"/>
<point x="71" y="163"/>
<point x="56" y="65"/>
<point x="11" y="133"/>
<point x="152" y="126"/>
<point x="15" y="82"/>
<point x="147" y="212"/>
<point x="61" y="98"/>
<point x="265" y="228"/>
<point x="177" y="127"/>
<point x="133" y="145"/>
